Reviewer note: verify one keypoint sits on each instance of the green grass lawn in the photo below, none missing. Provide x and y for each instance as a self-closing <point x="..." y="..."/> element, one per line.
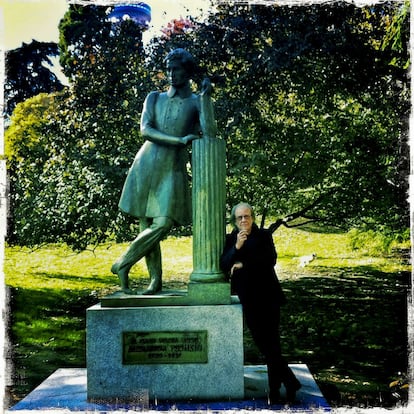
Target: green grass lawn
<point x="345" y="317"/>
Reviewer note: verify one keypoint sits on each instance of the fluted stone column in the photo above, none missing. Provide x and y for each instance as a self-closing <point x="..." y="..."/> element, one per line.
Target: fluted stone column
<point x="209" y="208"/>
<point x="209" y="196"/>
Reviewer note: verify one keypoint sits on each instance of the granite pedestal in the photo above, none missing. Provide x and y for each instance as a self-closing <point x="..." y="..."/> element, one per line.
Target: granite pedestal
<point x="217" y="374"/>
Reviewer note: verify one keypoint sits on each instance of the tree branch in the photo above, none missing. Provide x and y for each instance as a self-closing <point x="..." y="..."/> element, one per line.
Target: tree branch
<point x="301" y="213"/>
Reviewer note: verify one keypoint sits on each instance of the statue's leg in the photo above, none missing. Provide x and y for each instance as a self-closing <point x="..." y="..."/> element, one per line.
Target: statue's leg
<point x="148" y="238"/>
<point x="154" y="265"/>
<point x="124" y="263"/>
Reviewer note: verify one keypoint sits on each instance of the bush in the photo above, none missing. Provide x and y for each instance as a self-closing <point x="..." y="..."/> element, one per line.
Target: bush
<point x="376" y="243"/>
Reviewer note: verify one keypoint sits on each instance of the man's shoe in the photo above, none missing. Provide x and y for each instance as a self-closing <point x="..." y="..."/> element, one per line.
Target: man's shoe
<point x="291" y="392"/>
<point x="274" y="398"/>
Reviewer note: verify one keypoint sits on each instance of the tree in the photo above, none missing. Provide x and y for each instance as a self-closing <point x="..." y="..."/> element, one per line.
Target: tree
<point x="178" y="26"/>
<point x="27" y="148"/>
<point x="27" y="74"/>
<point x="308" y="98"/>
<point x="90" y="139"/>
<point x="312" y="111"/>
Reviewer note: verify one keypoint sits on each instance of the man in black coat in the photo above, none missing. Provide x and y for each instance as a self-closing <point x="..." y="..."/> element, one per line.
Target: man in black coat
<point x="249" y="258"/>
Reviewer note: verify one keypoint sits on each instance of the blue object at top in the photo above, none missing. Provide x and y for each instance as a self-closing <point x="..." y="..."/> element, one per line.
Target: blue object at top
<point x="140" y="13"/>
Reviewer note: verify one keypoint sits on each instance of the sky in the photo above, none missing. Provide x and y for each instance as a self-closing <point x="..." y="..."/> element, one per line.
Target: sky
<point x="24" y="20"/>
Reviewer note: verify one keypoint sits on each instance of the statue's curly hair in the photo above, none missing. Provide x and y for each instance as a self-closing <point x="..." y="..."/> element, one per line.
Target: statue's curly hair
<point x="185" y="58"/>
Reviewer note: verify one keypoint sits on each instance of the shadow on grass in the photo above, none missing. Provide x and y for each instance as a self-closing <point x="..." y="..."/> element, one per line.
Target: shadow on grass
<point x="348" y="325"/>
<point x="99" y="280"/>
<point x="46" y="331"/>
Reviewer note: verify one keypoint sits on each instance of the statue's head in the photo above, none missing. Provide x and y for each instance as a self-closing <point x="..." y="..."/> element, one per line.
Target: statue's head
<point x="184" y="58"/>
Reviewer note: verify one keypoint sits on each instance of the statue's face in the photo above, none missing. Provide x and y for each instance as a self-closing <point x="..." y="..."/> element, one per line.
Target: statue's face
<point x="177" y="75"/>
<point x="244" y="219"/>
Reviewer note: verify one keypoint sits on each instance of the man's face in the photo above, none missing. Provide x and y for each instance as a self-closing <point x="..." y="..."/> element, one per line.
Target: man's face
<point x="244" y="219"/>
<point x="177" y="75"/>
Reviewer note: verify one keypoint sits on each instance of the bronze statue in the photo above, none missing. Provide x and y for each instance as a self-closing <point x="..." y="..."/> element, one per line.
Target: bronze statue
<point x="156" y="189"/>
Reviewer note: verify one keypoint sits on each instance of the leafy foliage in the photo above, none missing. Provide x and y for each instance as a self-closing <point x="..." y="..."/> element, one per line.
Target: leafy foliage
<point x="312" y="100"/>
<point x="26" y="72"/>
<point x="90" y="140"/>
<point x="312" y="111"/>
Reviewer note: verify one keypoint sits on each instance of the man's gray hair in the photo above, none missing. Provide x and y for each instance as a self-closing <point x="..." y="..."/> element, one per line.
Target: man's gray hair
<point x="233" y="212"/>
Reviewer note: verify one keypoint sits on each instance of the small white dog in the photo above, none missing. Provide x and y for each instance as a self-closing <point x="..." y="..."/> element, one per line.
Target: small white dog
<point x="305" y="260"/>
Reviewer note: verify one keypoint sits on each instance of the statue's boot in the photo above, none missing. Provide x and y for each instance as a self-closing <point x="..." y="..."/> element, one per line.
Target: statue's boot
<point x="154" y="287"/>
<point x="154" y="265"/>
<point x="152" y="232"/>
<point x="123" y="276"/>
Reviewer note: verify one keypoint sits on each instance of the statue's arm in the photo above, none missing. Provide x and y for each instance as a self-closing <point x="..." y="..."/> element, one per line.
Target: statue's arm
<point x="149" y="132"/>
<point x="207" y="120"/>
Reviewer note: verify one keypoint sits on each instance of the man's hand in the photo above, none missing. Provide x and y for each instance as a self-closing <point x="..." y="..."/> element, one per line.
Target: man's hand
<point x="236" y="266"/>
<point x="241" y="238"/>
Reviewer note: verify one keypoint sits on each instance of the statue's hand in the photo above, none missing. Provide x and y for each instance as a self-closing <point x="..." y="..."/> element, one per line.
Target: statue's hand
<point x="206" y="87"/>
<point x="188" y="138"/>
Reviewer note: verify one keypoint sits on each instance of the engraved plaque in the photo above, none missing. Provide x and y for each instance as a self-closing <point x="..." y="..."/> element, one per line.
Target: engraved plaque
<point x="165" y="347"/>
